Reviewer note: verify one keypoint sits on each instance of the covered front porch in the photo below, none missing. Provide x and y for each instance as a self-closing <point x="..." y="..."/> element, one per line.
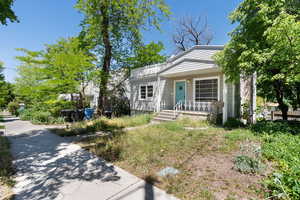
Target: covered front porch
<point x="200" y="91"/>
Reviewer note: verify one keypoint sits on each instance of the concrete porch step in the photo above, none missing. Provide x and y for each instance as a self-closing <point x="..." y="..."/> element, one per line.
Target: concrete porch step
<point x="170" y="115"/>
<point x="163" y="119"/>
<point x="165" y="115"/>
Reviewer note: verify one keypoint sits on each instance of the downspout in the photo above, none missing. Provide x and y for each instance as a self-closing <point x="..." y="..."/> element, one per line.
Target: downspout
<point x="253" y="99"/>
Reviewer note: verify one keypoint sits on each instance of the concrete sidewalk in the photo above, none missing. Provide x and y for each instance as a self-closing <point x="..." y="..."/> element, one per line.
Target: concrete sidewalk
<point x="52" y="167"/>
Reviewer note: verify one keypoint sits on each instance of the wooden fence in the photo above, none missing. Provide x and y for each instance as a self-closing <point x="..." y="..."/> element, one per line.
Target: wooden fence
<point x="292" y="115"/>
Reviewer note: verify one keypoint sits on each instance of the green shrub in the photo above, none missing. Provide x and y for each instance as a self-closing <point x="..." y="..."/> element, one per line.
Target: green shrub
<point x="26" y="114"/>
<point x="276" y="127"/>
<point x="55" y="106"/>
<point x="40" y="117"/>
<point x="246" y="164"/>
<point x="233" y="123"/>
<point x="250" y="159"/>
<point x="285" y="150"/>
<point x="13" y="107"/>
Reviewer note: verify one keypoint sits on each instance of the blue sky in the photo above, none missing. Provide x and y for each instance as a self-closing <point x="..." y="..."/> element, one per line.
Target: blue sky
<point x="44" y="22"/>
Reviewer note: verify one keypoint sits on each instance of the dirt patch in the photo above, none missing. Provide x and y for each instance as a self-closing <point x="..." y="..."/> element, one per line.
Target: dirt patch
<point x="217" y="173"/>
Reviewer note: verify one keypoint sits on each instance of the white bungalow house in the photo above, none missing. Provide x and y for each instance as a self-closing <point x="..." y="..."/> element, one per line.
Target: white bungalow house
<point x="189" y="83"/>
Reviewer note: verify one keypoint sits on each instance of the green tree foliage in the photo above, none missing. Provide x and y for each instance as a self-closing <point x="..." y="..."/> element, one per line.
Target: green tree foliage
<point x="114" y="29"/>
<point x="6" y="13"/>
<point x="63" y="68"/>
<point x="147" y="55"/>
<point x="1" y="74"/>
<point x="266" y="40"/>
<point x="6" y="90"/>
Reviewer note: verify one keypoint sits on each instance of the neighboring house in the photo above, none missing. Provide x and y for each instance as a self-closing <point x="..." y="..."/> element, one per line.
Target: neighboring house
<point x="117" y="82"/>
<point x="189" y="83"/>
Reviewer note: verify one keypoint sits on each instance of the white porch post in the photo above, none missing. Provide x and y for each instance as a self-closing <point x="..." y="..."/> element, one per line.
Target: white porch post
<point x="233" y="100"/>
<point x="158" y="95"/>
<point x="253" y="99"/>
<point x="225" y="107"/>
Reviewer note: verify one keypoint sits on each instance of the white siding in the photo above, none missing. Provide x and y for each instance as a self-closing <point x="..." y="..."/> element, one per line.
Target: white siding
<point x="202" y="54"/>
<point x="188" y="66"/>
<point x="167" y="92"/>
<point x="148" y="71"/>
<point x="143" y="105"/>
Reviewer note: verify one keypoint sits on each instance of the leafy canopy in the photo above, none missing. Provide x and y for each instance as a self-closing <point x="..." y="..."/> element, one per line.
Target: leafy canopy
<point x="60" y="69"/>
<point x="6" y="90"/>
<point x="126" y="19"/>
<point x="6" y="13"/>
<point x="266" y="40"/>
<point x="147" y="55"/>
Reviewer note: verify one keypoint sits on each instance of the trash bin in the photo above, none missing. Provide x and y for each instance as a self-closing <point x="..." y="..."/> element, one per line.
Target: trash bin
<point x="108" y="113"/>
<point x="71" y="115"/>
<point x="88" y="113"/>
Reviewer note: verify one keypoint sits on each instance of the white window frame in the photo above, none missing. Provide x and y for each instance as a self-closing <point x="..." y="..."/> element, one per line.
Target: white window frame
<point x="140" y="93"/>
<point x="205" y="78"/>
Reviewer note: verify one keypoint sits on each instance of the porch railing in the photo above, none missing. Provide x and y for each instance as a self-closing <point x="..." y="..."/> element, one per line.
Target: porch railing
<point x="194" y="106"/>
<point x="209" y="107"/>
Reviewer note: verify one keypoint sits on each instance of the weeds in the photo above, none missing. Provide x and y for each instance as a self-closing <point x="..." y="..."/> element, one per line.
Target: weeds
<point x="6" y="169"/>
<point x="103" y="124"/>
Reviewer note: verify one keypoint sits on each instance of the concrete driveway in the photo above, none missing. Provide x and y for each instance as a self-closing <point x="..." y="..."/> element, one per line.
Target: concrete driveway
<point x="52" y="167"/>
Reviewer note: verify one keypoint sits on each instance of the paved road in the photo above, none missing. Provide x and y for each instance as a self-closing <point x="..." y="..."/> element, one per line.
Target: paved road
<point x="52" y="167"/>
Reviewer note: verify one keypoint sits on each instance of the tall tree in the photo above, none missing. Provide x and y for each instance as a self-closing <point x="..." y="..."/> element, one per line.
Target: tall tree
<point x="63" y="68"/>
<point x="114" y="27"/>
<point x="143" y="55"/>
<point x="6" y="90"/>
<point x="266" y="40"/>
<point x="147" y="55"/>
<point x="2" y="84"/>
<point x="6" y="13"/>
<point x="191" y="31"/>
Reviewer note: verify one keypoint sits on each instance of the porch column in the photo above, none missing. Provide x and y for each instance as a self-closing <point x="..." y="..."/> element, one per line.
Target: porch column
<point x="158" y="95"/>
<point x="253" y="99"/>
<point x="225" y="97"/>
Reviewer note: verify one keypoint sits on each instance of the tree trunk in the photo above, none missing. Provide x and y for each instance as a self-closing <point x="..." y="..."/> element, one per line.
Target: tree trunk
<point x="280" y="99"/>
<point x="104" y="9"/>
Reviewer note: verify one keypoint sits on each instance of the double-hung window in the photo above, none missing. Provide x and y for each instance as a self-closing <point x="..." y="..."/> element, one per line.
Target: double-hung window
<point x="206" y="90"/>
<point x="146" y="92"/>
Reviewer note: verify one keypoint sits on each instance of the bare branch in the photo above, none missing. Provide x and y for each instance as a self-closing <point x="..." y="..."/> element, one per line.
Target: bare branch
<point x="190" y="32"/>
<point x="179" y="39"/>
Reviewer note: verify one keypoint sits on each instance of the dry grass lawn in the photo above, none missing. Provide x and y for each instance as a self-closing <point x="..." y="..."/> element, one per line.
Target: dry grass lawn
<point x="204" y="157"/>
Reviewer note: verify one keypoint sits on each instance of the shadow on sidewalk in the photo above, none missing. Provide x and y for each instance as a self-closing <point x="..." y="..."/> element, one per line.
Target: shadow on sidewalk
<point x="44" y="162"/>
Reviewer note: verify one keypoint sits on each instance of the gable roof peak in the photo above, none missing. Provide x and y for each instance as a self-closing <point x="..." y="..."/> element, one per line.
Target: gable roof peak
<point x="204" y="47"/>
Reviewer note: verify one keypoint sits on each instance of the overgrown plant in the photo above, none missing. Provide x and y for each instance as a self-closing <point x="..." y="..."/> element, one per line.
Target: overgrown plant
<point x="250" y="159"/>
<point x="6" y="168"/>
<point x="13" y="108"/>
<point x="233" y="123"/>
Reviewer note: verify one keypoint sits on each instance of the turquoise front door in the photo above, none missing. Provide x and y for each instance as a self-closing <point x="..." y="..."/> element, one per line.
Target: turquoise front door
<point x="179" y="91"/>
